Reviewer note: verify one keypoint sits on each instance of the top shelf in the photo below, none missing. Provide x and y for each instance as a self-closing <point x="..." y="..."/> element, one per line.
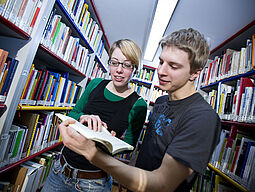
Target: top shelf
<point x="7" y="28"/>
<point x="235" y="41"/>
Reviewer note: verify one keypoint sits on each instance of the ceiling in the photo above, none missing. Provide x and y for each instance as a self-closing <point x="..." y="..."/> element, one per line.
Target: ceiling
<point x="217" y="20"/>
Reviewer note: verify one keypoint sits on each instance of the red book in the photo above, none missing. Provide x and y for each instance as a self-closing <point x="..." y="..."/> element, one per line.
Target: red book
<point x="245" y="82"/>
<point x="36" y="14"/>
<point x="235" y="158"/>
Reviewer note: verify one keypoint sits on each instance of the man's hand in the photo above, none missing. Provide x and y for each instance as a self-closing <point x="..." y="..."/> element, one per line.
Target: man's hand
<point x="75" y="141"/>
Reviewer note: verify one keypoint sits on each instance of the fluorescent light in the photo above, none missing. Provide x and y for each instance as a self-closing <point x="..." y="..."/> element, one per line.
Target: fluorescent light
<point x="161" y="19"/>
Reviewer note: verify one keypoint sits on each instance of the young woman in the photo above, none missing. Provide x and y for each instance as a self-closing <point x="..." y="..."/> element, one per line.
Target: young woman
<point x="110" y="103"/>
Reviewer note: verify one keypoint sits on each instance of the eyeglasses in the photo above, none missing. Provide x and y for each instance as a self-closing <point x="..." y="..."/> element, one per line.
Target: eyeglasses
<point x="125" y="64"/>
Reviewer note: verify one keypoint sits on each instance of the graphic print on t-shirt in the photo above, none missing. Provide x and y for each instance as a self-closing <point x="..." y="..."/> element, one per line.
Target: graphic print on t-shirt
<point x="161" y="124"/>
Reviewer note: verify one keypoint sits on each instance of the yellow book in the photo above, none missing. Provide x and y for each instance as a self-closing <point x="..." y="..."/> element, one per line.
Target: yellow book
<point x="86" y="9"/>
<point x="83" y="13"/>
<point x="86" y="22"/>
<point x="221" y="102"/>
<point x="31" y="142"/>
<point x="48" y="91"/>
<point x="24" y="90"/>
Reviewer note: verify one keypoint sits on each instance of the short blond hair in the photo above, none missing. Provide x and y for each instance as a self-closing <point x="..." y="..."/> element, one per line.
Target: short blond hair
<point x="193" y="43"/>
<point x="130" y="49"/>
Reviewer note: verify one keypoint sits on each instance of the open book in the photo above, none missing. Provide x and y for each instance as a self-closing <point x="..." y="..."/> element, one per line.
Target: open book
<point x="106" y="141"/>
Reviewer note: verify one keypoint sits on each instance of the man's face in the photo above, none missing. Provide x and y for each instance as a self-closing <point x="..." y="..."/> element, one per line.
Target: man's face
<point x="174" y="71"/>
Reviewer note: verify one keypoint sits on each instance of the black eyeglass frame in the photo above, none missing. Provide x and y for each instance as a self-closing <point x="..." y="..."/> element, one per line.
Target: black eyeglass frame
<point x="121" y="63"/>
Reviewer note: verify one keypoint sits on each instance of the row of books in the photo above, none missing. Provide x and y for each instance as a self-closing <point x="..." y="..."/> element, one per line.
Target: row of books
<point x="29" y="134"/>
<point x="78" y="10"/>
<point x="145" y="74"/>
<point x="234" y="156"/>
<point x="97" y="71"/>
<point x="57" y="38"/>
<point x="235" y="103"/>
<point x="141" y="90"/>
<point x="49" y="88"/>
<point x="29" y="176"/>
<point x="231" y="63"/>
<point x="8" y="68"/>
<point x="211" y="182"/>
<point x="157" y="92"/>
<point x="22" y="13"/>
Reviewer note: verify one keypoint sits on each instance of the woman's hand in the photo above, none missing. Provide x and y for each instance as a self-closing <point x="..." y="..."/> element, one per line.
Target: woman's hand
<point x="75" y="141"/>
<point x="93" y="122"/>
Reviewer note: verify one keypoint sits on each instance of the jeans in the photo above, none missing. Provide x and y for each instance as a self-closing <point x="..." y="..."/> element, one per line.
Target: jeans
<point x="57" y="181"/>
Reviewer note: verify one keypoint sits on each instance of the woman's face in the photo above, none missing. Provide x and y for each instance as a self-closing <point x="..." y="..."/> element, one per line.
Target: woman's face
<point x="120" y="75"/>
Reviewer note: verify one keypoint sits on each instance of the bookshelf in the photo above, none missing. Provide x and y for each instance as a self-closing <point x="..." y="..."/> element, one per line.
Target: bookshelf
<point x="11" y="30"/>
<point x="10" y="166"/>
<point x="33" y="55"/>
<point x="223" y="84"/>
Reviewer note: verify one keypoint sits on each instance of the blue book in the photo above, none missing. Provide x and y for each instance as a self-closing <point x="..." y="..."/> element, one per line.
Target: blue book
<point x="64" y="91"/>
<point x="10" y="75"/>
<point x="249" y="144"/>
<point x="57" y="77"/>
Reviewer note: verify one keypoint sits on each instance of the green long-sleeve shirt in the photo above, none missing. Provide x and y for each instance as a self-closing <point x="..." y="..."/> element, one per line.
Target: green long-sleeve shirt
<point x="136" y="116"/>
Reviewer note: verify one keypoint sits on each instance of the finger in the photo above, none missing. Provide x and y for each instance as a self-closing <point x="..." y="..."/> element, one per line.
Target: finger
<point x="67" y="122"/>
<point x="113" y="133"/>
<point x="89" y="122"/>
<point x="99" y="124"/>
<point x="104" y="125"/>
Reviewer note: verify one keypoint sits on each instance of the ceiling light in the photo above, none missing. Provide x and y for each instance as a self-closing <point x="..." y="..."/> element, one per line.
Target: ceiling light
<point x="164" y="11"/>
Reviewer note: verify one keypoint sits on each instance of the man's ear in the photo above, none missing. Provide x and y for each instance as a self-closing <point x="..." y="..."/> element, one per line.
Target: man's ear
<point x="195" y="74"/>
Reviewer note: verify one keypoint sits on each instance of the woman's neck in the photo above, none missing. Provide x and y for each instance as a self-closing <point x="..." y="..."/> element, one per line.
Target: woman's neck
<point x="123" y="91"/>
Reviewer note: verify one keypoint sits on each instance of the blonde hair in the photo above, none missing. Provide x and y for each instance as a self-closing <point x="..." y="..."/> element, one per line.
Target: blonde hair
<point x="129" y="49"/>
<point x="192" y="42"/>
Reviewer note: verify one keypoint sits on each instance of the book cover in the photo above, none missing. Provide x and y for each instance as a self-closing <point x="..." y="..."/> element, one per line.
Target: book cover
<point x="112" y="144"/>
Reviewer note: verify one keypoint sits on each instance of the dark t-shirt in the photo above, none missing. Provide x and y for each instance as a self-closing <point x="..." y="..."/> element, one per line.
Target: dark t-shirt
<point x="187" y="129"/>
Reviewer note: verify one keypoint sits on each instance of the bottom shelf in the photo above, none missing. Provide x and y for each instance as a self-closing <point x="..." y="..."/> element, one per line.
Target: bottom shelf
<point x="10" y="166"/>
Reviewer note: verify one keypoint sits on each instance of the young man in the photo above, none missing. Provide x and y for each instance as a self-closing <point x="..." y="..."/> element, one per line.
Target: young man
<point x="183" y="129"/>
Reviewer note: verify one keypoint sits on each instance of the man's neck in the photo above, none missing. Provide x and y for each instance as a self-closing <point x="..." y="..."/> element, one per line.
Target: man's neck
<point x="182" y="94"/>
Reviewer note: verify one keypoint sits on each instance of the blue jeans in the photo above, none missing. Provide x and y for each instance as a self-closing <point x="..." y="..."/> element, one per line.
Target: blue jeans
<point x="57" y="181"/>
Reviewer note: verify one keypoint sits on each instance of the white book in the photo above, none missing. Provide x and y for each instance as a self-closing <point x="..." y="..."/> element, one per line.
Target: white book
<point x="68" y="48"/>
<point x="70" y="6"/>
<point x="31" y="84"/>
<point x="60" y="35"/>
<point x="47" y="129"/>
<point x="15" y="9"/>
<point x="29" y="179"/>
<point x="24" y="20"/>
<point x="8" y="8"/>
<point x="248" y="92"/>
<point x="58" y="97"/>
<point x="77" y="60"/>
<point x="252" y="106"/>
<point x="109" y="143"/>
<point x="39" y="169"/>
